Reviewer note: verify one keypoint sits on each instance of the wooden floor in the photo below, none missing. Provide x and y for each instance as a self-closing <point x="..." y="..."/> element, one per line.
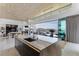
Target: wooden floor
<point x="9" y="52"/>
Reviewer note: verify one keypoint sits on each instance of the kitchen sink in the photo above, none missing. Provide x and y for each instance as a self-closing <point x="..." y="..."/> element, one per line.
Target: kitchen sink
<point x="29" y="39"/>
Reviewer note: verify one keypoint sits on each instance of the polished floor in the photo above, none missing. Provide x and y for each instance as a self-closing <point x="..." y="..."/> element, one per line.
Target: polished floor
<point x="6" y="43"/>
<point x="7" y="48"/>
<point x="9" y="52"/>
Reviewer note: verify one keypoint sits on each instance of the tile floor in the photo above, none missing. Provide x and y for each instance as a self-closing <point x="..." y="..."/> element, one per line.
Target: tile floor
<point x="9" y="52"/>
<point x="6" y="43"/>
<point x="7" y="47"/>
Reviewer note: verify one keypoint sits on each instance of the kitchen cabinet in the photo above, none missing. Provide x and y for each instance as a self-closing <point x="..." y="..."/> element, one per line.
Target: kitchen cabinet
<point x="25" y="50"/>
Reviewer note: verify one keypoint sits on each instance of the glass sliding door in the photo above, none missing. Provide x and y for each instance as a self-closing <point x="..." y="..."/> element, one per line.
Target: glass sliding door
<point x="62" y="28"/>
<point x="48" y="28"/>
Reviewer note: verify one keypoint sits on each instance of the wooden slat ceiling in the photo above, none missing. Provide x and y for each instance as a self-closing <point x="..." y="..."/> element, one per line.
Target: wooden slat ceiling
<point x="23" y="11"/>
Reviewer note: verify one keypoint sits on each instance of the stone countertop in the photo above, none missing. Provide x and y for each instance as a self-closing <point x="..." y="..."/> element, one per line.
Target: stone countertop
<point x="15" y="33"/>
<point x="37" y="45"/>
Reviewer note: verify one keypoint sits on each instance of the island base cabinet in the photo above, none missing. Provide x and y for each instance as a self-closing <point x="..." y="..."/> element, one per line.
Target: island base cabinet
<point x="52" y="50"/>
<point x="25" y="50"/>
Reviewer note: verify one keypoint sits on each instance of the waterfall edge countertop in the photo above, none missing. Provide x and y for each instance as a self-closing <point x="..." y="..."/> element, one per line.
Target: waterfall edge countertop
<point x="37" y="45"/>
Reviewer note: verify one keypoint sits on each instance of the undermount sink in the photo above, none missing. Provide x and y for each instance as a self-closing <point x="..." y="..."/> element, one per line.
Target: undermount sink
<point x="29" y="39"/>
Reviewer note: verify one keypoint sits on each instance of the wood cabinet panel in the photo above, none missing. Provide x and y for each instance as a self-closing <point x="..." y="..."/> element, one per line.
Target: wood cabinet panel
<point x="24" y="49"/>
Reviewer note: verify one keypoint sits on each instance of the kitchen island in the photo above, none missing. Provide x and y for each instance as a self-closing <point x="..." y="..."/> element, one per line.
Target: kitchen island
<point x="37" y="47"/>
<point x="43" y="48"/>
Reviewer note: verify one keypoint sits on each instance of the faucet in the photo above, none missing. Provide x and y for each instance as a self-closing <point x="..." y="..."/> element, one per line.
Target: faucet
<point x="35" y="37"/>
